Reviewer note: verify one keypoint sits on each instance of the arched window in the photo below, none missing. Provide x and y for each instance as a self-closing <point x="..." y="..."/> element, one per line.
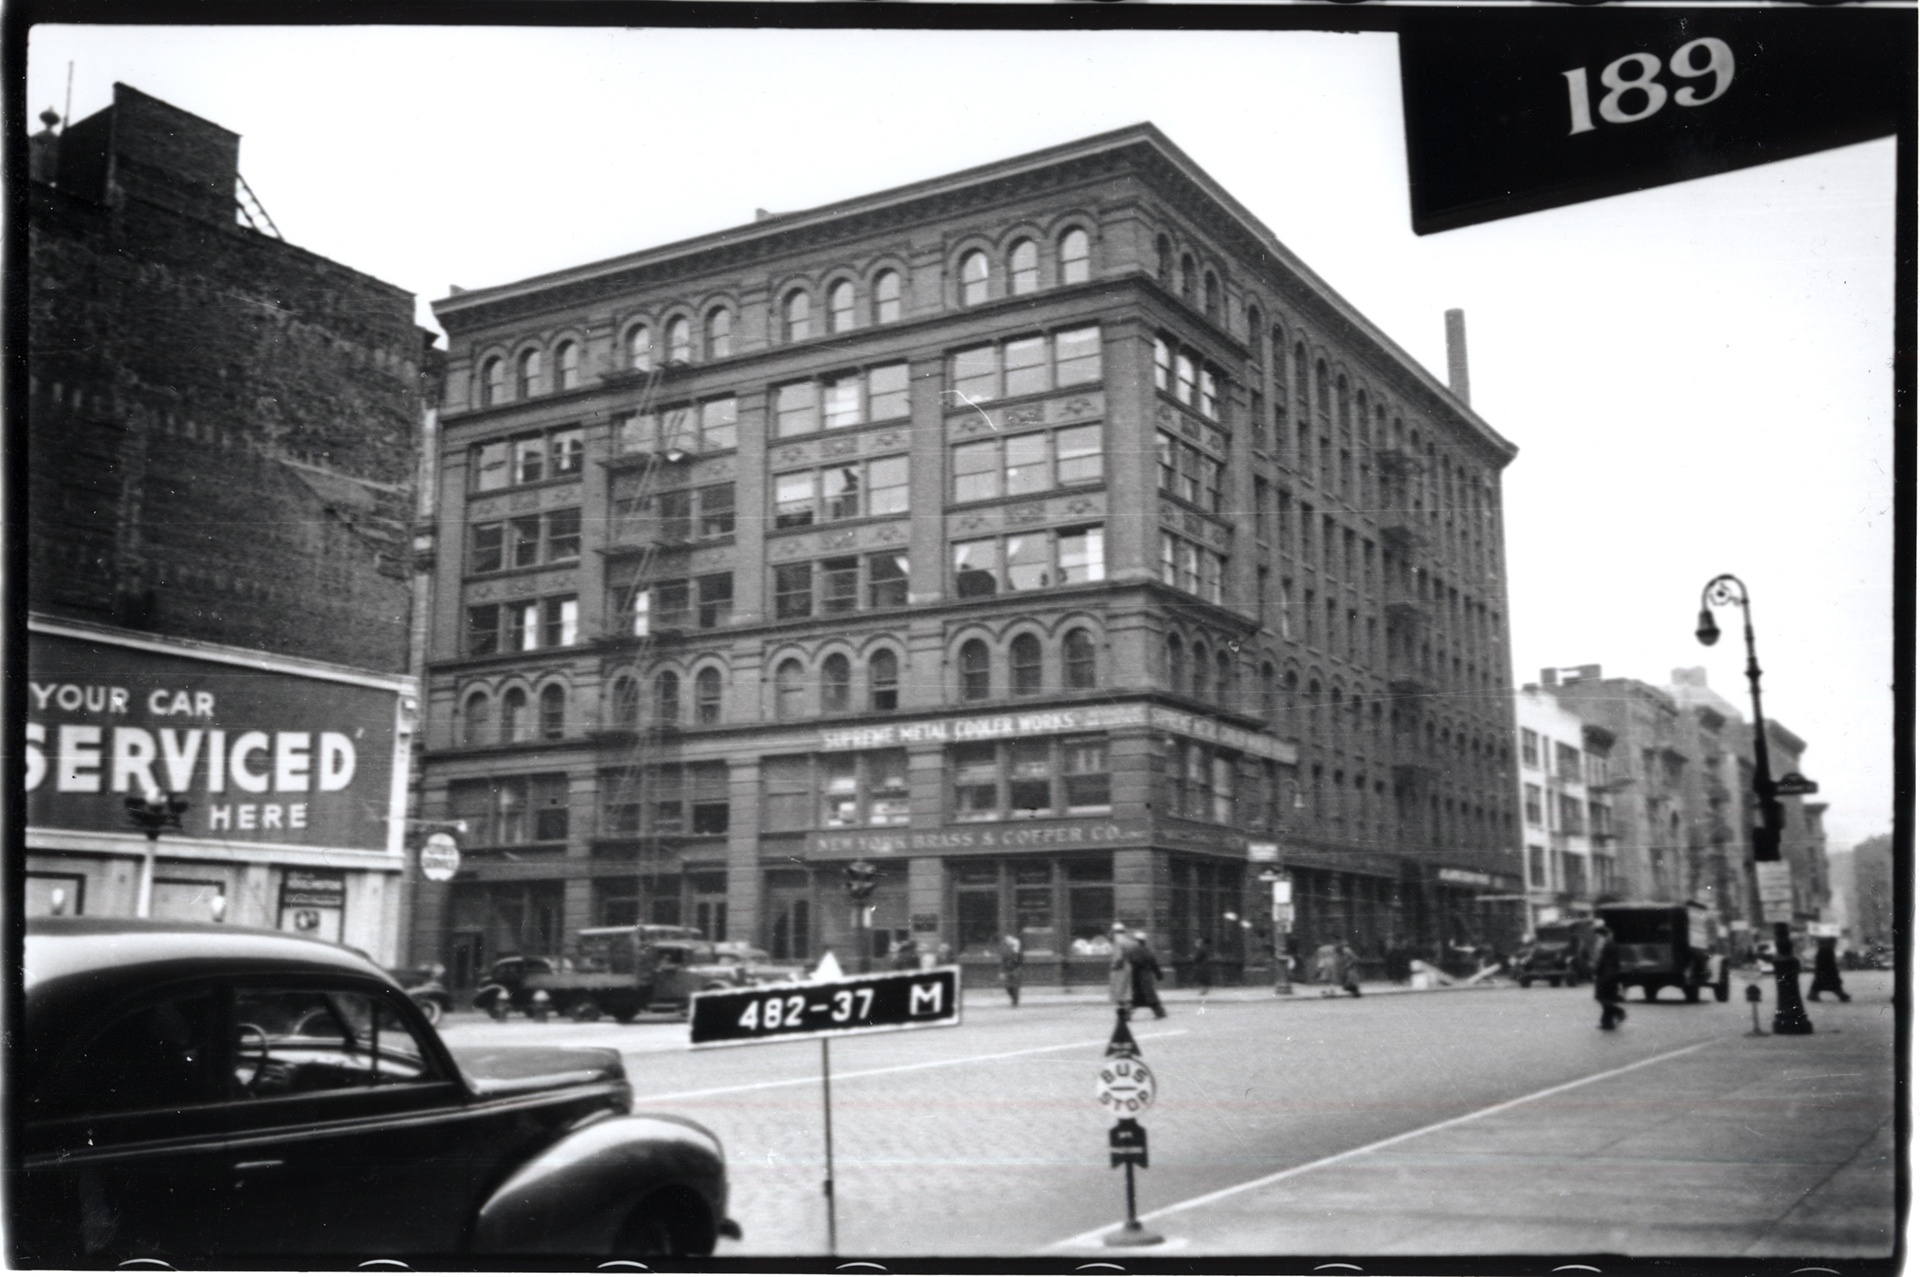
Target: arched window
<point x="553" y="712"/>
<point x="973" y="279"/>
<point x="719" y="333"/>
<point x="1024" y="665"/>
<point x="1321" y="390"/>
<point x="1202" y="671"/>
<point x="706" y="696"/>
<point x="836" y="685"/>
<point x="666" y="697"/>
<point x="1075" y="257"/>
<point x="840" y="307"/>
<point x="1291" y="688"/>
<point x="1223" y="679"/>
<point x="1343" y="402"/>
<point x="797" y="312"/>
<point x="640" y="348"/>
<point x="625" y="702"/>
<point x="1077" y="660"/>
<point x="1267" y="692"/>
<point x="1188" y="276"/>
<point x="1176" y="663"/>
<point x="1162" y="364"/>
<point x="883" y="680"/>
<point x="679" y="340"/>
<point x="513" y="716"/>
<point x="886" y="297"/>
<point x="566" y="366"/>
<point x="976" y="678"/>
<point x="474" y="723"/>
<point x="529" y="373"/>
<point x="789" y="691"/>
<point x="493" y="382"/>
<point x="1163" y="259"/>
<point x="1025" y="263"/>
<point x="1313" y="709"/>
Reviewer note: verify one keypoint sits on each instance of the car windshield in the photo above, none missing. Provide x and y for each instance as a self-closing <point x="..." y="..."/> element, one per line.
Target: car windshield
<point x="1651" y="926"/>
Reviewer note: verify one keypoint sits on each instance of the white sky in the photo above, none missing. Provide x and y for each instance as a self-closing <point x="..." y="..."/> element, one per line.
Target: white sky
<point x="1697" y="377"/>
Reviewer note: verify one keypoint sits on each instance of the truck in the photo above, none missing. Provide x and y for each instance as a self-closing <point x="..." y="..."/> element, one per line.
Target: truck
<point x="622" y="971"/>
<point x="1559" y="953"/>
<point x="1668" y="944"/>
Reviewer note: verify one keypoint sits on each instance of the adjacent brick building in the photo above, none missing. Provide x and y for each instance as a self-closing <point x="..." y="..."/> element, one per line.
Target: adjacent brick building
<point x="1046" y="534"/>
<point x="222" y="437"/>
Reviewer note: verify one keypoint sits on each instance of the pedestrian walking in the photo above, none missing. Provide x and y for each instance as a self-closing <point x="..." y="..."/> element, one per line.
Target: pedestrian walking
<point x="1345" y="969"/>
<point x="1202" y="961"/>
<point x="1606" y="978"/>
<point x="1146" y="976"/>
<point x="906" y="955"/>
<point x="1120" y="968"/>
<point x="1011" y="960"/>
<point x="1826" y="972"/>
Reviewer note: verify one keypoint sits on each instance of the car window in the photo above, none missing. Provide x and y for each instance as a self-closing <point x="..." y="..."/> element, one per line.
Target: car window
<point x="157" y="1056"/>
<point x="291" y="1041"/>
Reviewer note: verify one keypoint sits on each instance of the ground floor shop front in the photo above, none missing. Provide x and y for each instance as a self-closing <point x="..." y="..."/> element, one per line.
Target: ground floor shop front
<point x="1059" y="906"/>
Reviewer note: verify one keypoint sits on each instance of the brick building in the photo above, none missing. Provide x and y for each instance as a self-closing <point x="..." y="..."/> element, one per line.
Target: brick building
<point x="1046" y="534"/>
<point x="1566" y="807"/>
<point x="223" y="433"/>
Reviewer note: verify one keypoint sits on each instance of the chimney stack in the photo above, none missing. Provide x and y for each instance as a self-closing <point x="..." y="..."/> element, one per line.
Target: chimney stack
<point x="1457" y="356"/>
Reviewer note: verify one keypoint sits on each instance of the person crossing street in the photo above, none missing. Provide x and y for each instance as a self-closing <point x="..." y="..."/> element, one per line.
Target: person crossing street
<point x="1606" y="979"/>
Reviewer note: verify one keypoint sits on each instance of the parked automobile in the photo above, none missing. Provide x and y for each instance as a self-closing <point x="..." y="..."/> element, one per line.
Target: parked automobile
<point x="426" y="985"/>
<point x="1559" y="953"/>
<point x="504" y="990"/>
<point x="204" y="1094"/>
<point x="758" y="965"/>
<point x="1668" y="944"/>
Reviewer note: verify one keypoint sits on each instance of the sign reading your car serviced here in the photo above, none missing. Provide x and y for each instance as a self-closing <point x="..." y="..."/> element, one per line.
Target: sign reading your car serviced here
<point x="828" y="1008"/>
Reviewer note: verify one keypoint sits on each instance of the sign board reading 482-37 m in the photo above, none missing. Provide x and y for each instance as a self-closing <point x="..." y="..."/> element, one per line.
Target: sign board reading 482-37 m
<point x="828" y="1008"/>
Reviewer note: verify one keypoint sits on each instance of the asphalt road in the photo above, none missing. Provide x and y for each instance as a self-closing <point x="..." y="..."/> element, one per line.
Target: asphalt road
<point x="986" y="1139"/>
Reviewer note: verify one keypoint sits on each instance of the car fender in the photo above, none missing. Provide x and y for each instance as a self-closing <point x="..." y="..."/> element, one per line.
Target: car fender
<point x="573" y="1196"/>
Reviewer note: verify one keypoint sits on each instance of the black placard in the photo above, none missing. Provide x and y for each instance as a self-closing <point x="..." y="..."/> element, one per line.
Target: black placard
<point x="1513" y="112"/>
<point x="828" y="1008"/>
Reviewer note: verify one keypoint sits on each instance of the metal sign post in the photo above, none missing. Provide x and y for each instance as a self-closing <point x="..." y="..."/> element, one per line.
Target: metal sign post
<point x="1126" y="1087"/>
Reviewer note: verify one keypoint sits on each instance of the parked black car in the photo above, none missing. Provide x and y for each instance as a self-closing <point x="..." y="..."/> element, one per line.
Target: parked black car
<point x="504" y="990"/>
<point x="212" y="1095"/>
<point x="426" y="985"/>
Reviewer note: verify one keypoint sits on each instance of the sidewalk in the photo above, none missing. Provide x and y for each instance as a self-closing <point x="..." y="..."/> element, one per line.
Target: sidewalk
<point x="1740" y="1146"/>
<point x="990" y="995"/>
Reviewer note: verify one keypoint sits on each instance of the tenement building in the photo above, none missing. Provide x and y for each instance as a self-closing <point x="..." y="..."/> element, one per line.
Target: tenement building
<point x="1046" y="535"/>
<point x="222" y="439"/>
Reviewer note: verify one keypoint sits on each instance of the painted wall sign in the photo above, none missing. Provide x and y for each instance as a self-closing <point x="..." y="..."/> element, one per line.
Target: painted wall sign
<point x="1054" y="721"/>
<point x="1025" y="835"/>
<point x="264" y="753"/>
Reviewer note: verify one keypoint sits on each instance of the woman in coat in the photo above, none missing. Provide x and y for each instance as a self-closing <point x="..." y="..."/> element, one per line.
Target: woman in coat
<point x="1120" y="967"/>
<point x="1011" y="960"/>
<point x="1606" y="978"/>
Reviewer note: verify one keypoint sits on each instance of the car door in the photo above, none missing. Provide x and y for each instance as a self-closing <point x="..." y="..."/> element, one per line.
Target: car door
<point x="350" y="1138"/>
<point x="123" y="1138"/>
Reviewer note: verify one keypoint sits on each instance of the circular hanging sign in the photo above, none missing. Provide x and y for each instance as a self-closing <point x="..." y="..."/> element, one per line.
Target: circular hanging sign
<point x="1125" y="1086"/>
<point x="440" y="858"/>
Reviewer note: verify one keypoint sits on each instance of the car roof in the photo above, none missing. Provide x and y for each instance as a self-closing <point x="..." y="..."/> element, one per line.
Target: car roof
<point x="105" y="953"/>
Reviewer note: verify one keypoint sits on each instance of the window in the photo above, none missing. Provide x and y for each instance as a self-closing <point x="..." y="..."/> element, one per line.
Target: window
<point x="976" y="673"/>
<point x="788" y="786"/>
<point x="566" y="366"/>
<point x="521" y="542"/>
<point x="1566" y="763"/>
<point x="493" y="382"/>
<point x="886" y="297"/>
<point x="529" y="458"/>
<point x="553" y="712"/>
<point x="1078" y="670"/>
<point x="161" y="1056"/>
<point x="714" y="504"/>
<point x="560" y="626"/>
<point x="666" y="697"/>
<point x="840" y="307"/>
<point x="1025" y="262"/>
<point x="529" y="374"/>
<point x="1162" y="364"/>
<point x="506" y="811"/>
<point x="1210" y="294"/>
<point x="1187" y="276"/>
<point x="715" y="600"/>
<point x="475" y="720"/>
<point x="625" y="702"/>
<point x="1529" y="747"/>
<point x="795" y="497"/>
<point x="483" y="629"/>
<point x="1187" y="566"/>
<point x="1075" y="257"/>
<point x="883" y="680"/>
<point x="796" y="313"/>
<point x="804" y="497"/>
<point x="1029" y="561"/>
<point x="793" y="591"/>
<point x="1029" y="778"/>
<point x="1197" y="781"/>
<point x="789" y="691"/>
<point x="1194" y="472"/>
<point x="640" y="348"/>
<point x="1031" y="365"/>
<point x="528" y="625"/>
<point x="719" y="333"/>
<point x="836" y="684"/>
<point x="973" y="279"/>
<point x="1162" y="259"/>
<point x="1014" y="465"/>
<point x="1535" y="814"/>
<point x="1193" y="381"/>
<point x="863" y="789"/>
<point x="1572" y="815"/>
<point x="839" y="585"/>
<point x="1024" y="665"/>
<point x="886" y="580"/>
<point x="706" y="696"/>
<point x="486" y="547"/>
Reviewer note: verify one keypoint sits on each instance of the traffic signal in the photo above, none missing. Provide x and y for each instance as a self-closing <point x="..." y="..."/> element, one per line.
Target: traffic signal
<point x="860" y="879"/>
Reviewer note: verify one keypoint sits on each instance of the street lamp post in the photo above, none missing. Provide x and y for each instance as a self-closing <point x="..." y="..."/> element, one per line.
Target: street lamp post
<point x="1790" y="1014"/>
<point x="151" y="814"/>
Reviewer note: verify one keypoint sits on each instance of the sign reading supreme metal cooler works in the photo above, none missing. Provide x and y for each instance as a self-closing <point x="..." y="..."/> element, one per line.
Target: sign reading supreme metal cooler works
<point x="828" y="1008"/>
